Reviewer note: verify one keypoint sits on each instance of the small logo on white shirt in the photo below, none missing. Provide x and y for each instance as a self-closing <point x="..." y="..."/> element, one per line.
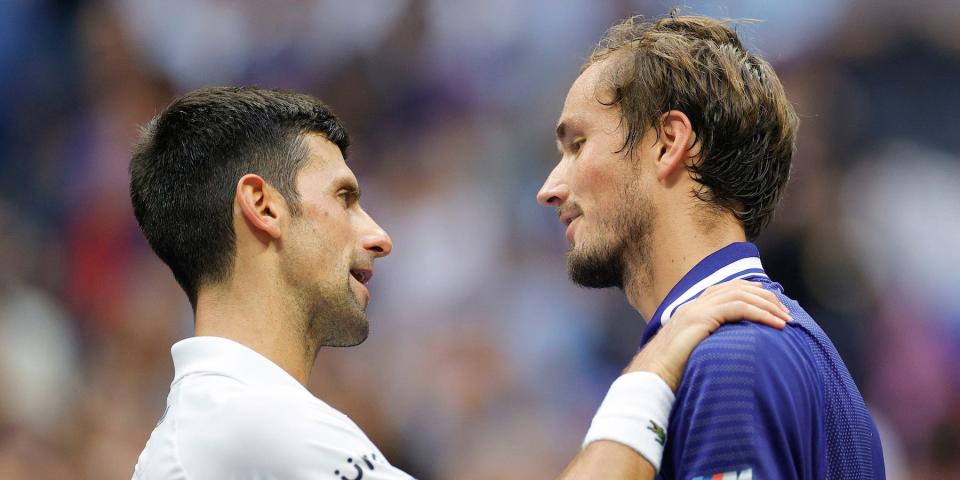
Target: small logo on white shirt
<point x="365" y="463"/>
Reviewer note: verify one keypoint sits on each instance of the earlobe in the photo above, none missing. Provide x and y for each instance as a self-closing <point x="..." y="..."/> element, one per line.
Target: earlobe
<point x="259" y="205"/>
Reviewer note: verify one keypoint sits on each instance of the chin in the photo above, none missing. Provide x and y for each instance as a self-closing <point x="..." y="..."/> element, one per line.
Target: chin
<point x="596" y="267"/>
<point x="353" y="327"/>
<point x="354" y="338"/>
<point x="339" y="321"/>
<point x="347" y="334"/>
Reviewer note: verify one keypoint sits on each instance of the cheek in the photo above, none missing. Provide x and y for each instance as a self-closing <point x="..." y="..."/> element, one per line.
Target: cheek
<point x="600" y="188"/>
<point x="323" y="235"/>
<point x="596" y="172"/>
<point x="597" y="187"/>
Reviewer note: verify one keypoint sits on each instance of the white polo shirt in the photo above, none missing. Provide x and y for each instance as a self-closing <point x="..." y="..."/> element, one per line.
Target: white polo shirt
<point x="234" y="414"/>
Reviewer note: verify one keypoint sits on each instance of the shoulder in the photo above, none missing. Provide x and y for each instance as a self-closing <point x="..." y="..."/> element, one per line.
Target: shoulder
<point x="242" y="429"/>
<point x="747" y="402"/>
<point x="746" y="348"/>
<point x="745" y="366"/>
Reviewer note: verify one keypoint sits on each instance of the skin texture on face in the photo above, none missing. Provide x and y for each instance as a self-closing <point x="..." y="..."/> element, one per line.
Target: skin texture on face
<point x="330" y="243"/>
<point x="600" y="191"/>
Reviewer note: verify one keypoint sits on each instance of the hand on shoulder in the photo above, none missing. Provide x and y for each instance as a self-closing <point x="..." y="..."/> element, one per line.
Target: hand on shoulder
<point x="667" y="352"/>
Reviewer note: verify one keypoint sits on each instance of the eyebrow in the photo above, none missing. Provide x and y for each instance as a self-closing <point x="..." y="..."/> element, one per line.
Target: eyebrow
<point x="348" y="184"/>
<point x="565" y="129"/>
<point x="568" y="126"/>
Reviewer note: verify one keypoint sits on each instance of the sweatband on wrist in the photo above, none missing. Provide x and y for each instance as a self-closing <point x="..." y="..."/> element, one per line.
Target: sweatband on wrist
<point x="635" y="413"/>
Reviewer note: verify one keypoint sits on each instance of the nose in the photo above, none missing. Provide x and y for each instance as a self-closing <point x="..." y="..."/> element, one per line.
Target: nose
<point x="554" y="191"/>
<point x="376" y="241"/>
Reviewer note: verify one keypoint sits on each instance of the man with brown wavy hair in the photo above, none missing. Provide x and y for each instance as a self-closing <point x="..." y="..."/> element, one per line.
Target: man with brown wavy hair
<point x="675" y="146"/>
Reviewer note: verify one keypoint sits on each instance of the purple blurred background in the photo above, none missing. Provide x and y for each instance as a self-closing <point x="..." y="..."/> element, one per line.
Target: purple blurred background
<point x="484" y="362"/>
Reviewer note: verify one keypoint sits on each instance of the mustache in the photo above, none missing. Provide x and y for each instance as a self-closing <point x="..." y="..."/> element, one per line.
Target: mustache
<point x="568" y="208"/>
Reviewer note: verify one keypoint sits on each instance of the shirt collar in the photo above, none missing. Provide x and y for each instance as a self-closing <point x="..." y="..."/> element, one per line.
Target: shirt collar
<point x="737" y="260"/>
<point x="206" y="355"/>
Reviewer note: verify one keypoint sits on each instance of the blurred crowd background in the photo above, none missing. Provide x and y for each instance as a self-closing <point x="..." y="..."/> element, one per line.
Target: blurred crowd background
<point x="484" y="361"/>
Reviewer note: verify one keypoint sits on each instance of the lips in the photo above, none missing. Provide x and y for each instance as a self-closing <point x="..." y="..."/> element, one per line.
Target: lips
<point x="571" y="224"/>
<point x="362" y="275"/>
<point x="568" y="217"/>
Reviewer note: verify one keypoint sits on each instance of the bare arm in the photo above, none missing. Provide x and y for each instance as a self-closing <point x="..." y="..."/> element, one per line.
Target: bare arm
<point x="666" y="356"/>
<point x="606" y="459"/>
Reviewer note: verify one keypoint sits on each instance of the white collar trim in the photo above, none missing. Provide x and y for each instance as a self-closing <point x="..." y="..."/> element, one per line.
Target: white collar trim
<point x="732" y="271"/>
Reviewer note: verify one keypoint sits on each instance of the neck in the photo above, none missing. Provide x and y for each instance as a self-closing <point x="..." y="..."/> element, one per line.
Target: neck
<point x="259" y="320"/>
<point x="674" y="248"/>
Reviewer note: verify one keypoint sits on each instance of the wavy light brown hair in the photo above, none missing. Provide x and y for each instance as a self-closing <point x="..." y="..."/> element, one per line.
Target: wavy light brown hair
<point x="744" y="124"/>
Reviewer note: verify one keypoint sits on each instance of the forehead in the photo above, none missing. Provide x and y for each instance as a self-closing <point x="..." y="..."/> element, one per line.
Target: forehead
<point x="324" y="159"/>
<point x="585" y="95"/>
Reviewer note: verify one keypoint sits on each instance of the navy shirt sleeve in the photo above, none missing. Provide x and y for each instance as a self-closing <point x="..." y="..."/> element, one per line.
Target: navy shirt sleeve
<point x="747" y="409"/>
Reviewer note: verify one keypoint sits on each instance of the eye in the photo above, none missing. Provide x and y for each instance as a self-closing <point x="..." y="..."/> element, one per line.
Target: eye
<point x="577" y="145"/>
<point x="348" y="196"/>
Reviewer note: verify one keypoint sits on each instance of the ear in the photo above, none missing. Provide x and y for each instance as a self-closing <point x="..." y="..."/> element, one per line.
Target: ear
<point x="261" y="205"/>
<point x="676" y="144"/>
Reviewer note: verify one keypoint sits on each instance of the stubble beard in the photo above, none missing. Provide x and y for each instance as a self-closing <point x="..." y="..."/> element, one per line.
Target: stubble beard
<point x="605" y="263"/>
<point x="332" y="316"/>
<point x="327" y="312"/>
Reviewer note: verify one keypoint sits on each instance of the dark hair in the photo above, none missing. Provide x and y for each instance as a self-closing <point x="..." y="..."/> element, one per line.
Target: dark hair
<point x="743" y="122"/>
<point x="185" y="169"/>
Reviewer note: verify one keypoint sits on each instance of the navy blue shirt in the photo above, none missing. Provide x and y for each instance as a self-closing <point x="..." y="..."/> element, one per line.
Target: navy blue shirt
<point x="757" y="403"/>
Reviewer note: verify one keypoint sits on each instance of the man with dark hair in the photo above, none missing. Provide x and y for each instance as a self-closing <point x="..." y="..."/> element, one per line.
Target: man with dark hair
<point x="244" y="193"/>
<point x="675" y="146"/>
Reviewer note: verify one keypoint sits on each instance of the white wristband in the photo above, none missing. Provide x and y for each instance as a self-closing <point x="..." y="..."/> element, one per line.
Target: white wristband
<point x="635" y="413"/>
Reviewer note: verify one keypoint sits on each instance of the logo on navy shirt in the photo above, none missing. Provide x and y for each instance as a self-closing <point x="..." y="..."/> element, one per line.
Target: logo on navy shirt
<point x="732" y="475"/>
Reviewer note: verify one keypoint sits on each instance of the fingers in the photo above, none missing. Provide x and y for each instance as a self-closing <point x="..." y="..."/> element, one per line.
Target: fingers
<point x="760" y="297"/>
<point x="666" y="354"/>
<point x="751" y="292"/>
<point x="742" y="310"/>
<point x="763" y="292"/>
<point x="732" y="284"/>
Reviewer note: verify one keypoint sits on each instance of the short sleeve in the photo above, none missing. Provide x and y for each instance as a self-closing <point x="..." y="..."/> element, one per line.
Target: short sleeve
<point x="263" y="436"/>
<point x="746" y="409"/>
